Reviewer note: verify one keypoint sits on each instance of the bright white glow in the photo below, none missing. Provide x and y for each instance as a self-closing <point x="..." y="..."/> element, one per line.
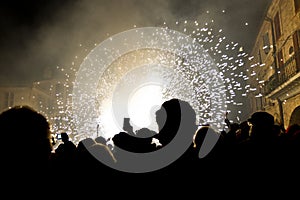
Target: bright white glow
<point x="106" y="120"/>
<point x="142" y="106"/>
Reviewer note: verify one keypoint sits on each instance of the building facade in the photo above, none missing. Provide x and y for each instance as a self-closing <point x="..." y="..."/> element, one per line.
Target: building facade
<point x="49" y="97"/>
<point x="14" y="95"/>
<point x="274" y="68"/>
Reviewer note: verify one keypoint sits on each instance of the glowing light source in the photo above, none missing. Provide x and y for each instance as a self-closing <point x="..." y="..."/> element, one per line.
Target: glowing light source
<point x="142" y="105"/>
<point x="122" y="66"/>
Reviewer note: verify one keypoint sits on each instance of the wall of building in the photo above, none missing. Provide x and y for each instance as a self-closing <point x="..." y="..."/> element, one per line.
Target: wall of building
<point x="13" y="96"/>
<point x="263" y="64"/>
<point x="273" y="109"/>
<point x="49" y="97"/>
<point x="288" y="107"/>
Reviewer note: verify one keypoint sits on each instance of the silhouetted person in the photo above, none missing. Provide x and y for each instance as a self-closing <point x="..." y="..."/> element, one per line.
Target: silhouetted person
<point x="127" y="127"/>
<point x="174" y="117"/>
<point x="293" y="130"/>
<point x="83" y="157"/>
<point x="207" y="132"/>
<point x="243" y="132"/>
<point x="169" y="120"/>
<point x="82" y="153"/>
<point x="145" y="132"/>
<point x="261" y="149"/>
<point x="262" y="127"/>
<point x="65" y="152"/>
<point x="93" y="160"/>
<point x="26" y="140"/>
<point x="291" y="143"/>
<point x="131" y="143"/>
<point x="100" y="140"/>
<point x="101" y="154"/>
<point x="231" y="135"/>
<point x="200" y="159"/>
<point x="67" y="146"/>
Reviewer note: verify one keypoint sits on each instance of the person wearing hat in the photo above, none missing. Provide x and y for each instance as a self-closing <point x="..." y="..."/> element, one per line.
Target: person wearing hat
<point x="262" y="126"/>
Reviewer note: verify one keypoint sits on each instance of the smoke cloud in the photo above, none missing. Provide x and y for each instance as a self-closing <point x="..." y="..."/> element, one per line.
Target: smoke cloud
<point x="38" y="36"/>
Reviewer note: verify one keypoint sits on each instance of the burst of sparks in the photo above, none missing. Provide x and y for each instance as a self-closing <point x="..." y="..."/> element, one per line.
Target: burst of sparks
<point x="229" y="57"/>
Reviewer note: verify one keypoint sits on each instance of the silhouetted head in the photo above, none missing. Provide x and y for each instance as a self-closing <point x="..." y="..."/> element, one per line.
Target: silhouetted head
<point x="169" y="119"/>
<point x="261" y="119"/>
<point x="199" y="136"/>
<point x="100" y="140"/>
<point x="203" y="139"/>
<point x="25" y="134"/>
<point x="85" y="143"/>
<point x="262" y="124"/>
<point x="64" y="137"/>
<point x="145" y="132"/>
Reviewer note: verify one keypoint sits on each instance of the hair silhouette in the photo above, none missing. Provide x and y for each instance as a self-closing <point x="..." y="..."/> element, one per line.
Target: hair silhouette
<point x="27" y="142"/>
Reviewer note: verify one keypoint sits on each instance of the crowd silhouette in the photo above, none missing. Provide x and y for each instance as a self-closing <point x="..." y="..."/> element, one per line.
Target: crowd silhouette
<point x="255" y="145"/>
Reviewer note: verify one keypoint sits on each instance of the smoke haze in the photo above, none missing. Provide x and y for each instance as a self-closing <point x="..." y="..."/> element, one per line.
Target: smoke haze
<point x="43" y="35"/>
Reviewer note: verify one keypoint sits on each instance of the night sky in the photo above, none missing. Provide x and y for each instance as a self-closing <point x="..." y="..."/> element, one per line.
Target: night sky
<point x="36" y="35"/>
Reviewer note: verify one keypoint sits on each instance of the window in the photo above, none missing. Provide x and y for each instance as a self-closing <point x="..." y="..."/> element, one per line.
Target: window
<point x="291" y="50"/>
<point x="280" y="65"/>
<point x="6" y="99"/>
<point x="297" y="5"/>
<point x="277" y="26"/>
<point x="266" y="42"/>
<point x="296" y="41"/>
<point x="259" y="57"/>
<point x="258" y="103"/>
<point x="9" y="98"/>
<point x="280" y="59"/>
<point x="296" y="38"/>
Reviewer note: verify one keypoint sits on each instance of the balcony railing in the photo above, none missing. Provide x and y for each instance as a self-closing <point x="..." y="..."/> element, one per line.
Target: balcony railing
<point x="287" y="71"/>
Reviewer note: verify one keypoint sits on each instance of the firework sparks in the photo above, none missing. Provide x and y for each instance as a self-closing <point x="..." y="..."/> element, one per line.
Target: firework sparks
<point x="203" y="70"/>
